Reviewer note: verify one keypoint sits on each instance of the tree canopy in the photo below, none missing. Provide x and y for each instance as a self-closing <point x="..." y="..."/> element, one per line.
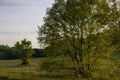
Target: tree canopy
<point x="24" y="49"/>
<point x="85" y="29"/>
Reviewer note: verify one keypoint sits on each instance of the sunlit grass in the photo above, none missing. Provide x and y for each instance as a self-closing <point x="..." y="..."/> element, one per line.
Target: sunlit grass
<point x="13" y="70"/>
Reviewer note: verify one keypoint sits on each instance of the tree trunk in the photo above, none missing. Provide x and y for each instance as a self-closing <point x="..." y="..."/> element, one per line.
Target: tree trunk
<point x="25" y="61"/>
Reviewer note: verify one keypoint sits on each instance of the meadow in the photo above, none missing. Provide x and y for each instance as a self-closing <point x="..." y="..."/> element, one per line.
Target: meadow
<point x="13" y="70"/>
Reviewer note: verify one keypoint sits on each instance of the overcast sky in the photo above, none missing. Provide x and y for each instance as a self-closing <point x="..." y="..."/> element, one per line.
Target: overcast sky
<point x="19" y="19"/>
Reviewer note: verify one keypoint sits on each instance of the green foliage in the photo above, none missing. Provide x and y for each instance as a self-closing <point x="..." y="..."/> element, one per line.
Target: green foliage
<point x="24" y="50"/>
<point x="87" y="30"/>
<point x="7" y="52"/>
<point x="52" y="65"/>
<point x="38" y="53"/>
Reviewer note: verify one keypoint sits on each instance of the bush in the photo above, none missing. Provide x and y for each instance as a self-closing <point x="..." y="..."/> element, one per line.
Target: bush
<point x="51" y="65"/>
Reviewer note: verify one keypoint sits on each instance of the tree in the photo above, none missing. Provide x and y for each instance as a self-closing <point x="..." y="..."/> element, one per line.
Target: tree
<point x="114" y="23"/>
<point x="38" y="53"/>
<point x="7" y="52"/>
<point x="114" y="30"/>
<point x="77" y="27"/>
<point x="24" y="48"/>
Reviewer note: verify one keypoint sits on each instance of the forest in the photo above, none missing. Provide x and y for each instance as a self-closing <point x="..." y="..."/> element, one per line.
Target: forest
<point x="9" y="53"/>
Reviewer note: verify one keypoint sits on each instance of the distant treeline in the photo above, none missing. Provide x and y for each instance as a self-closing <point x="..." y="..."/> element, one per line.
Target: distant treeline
<point x="7" y="53"/>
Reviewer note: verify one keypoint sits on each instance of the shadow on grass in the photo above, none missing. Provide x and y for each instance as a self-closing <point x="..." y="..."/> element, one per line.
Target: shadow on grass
<point x="3" y="78"/>
<point x="6" y="78"/>
<point x="23" y="66"/>
<point x="60" y="76"/>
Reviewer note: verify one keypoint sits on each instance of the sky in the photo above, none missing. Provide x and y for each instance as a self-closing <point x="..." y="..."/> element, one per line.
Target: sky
<point x="19" y="19"/>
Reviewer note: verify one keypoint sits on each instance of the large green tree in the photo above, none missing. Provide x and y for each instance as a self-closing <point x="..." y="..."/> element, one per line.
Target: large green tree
<point x="77" y="27"/>
<point x="114" y="23"/>
<point x="114" y="30"/>
<point x="24" y="49"/>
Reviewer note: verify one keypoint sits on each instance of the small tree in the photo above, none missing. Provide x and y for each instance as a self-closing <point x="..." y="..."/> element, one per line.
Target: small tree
<point x="24" y="49"/>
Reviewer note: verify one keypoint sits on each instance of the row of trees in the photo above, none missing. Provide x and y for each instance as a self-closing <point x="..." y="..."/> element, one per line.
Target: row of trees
<point x="7" y="52"/>
<point x="22" y="50"/>
<point x="87" y="30"/>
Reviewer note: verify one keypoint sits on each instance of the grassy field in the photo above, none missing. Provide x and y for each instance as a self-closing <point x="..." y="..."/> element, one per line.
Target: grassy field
<point x="13" y="70"/>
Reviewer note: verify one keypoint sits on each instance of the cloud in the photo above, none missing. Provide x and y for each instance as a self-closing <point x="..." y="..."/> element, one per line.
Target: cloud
<point x="19" y="18"/>
<point x="18" y="33"/>
<point x="7" y="33"/>
<point x="11" y="3"/>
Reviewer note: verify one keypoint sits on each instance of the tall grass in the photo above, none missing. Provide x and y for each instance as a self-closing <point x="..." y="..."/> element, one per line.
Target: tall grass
<point x="42" y="69"/>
